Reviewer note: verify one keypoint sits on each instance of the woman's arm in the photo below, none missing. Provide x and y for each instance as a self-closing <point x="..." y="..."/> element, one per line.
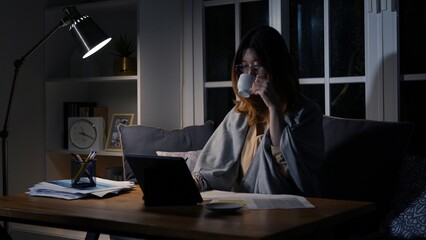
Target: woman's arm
<point x="263" y="87"/>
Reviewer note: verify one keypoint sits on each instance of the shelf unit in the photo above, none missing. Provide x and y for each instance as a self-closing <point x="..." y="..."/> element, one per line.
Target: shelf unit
<point x="69" y="78"/>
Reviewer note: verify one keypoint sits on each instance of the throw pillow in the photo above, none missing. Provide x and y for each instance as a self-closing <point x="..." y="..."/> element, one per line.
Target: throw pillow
<point x="141" y="139"/>
<point x="190" y="157"/>
<point x="407" y="217"/>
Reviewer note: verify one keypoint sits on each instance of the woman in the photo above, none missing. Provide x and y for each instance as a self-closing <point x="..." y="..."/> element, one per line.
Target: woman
<point x="271" y="142"/>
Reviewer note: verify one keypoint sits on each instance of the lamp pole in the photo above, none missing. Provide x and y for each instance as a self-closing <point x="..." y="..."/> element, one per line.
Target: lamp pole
<point x="5" y="133"/>
<point x="90" y="36"/>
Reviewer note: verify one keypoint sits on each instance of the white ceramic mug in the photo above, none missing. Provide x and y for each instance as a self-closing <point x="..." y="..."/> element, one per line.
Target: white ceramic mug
<point x="244" y="84"/>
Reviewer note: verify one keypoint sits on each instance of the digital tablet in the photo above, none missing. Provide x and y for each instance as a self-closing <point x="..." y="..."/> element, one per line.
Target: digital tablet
<point x="165" y="181"/>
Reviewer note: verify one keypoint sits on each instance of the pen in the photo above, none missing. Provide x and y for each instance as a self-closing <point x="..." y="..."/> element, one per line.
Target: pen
<point x="91" y="155"/>
<point x="76" y="157"/>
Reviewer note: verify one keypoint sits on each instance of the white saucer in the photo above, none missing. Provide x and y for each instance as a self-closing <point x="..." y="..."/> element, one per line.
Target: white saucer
<point x="224" y="206"/>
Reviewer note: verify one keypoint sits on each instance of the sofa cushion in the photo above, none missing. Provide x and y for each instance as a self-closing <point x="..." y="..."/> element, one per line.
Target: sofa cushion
<point x="362" y="158"/>
<point x="190" y="157"/>
<point x="140" y="139"/>
<point x="407" y="217"/>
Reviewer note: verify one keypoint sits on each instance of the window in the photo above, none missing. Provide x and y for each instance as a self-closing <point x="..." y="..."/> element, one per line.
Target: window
<point x="225" y="23"/>
<point x="327" y="45"/>
<point x="341" y="49"/>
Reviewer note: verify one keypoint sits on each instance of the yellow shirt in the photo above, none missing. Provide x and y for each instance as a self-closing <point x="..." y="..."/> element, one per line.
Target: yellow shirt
<point x="249" y="150"/>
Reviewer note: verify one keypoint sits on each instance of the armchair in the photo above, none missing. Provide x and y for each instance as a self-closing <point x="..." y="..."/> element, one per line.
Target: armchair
<point x="362" y="160"/>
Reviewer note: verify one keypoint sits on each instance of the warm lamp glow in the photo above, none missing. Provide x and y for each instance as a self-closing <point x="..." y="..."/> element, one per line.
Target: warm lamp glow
<point x="97" y="47"/>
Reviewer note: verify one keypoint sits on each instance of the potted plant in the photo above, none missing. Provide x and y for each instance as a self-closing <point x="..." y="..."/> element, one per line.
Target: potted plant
<point x="125" y="63"/>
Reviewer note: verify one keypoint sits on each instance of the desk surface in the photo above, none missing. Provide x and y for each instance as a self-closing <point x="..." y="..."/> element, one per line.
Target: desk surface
<point x="126" y="214"/>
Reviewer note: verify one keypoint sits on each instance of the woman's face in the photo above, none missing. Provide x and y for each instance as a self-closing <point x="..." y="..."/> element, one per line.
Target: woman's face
<point x="250" y="64"/>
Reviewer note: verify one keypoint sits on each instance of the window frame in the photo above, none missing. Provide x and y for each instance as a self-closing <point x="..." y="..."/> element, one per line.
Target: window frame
<point x="381" y="31"/>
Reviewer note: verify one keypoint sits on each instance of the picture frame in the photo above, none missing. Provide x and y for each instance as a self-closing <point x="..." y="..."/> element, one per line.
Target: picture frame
<point x="113" y="143"/>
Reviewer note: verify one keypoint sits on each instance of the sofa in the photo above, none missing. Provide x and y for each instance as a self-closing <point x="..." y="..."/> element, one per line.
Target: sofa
<point x="364" y="160"/>
<point x="367" y="160"/>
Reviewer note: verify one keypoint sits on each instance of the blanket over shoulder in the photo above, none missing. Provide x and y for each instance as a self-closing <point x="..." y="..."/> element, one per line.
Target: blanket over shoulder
<point x="302" y="145"/>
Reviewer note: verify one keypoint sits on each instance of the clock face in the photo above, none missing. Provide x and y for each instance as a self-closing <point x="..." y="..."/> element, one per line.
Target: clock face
<point x="82" y="134"/>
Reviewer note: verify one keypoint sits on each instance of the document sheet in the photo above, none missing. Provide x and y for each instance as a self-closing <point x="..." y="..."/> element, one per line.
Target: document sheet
<point x="258" y="201"/>
<point x="62" y="189"/>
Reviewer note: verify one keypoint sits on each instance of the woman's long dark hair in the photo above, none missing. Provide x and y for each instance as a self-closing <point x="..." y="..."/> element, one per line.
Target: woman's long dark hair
<point x="271" y="52"/>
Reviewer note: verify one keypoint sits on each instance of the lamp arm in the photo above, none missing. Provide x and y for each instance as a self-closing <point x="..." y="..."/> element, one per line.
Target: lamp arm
<point x="64" y="22"/>
<point x="18" y="63"/>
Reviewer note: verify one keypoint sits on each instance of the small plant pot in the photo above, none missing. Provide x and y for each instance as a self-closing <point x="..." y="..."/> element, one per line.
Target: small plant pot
<point x="125" y="66"/>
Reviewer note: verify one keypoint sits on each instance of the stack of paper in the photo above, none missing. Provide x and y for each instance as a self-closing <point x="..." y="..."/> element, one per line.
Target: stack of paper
<point x="62" y="189"/>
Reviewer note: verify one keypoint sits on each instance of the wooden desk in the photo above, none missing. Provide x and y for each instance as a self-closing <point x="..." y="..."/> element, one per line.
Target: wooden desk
<point x="126" y="215"/>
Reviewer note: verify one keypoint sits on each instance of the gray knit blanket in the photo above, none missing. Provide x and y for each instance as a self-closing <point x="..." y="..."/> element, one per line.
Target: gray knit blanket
<point x="302" y="145"/>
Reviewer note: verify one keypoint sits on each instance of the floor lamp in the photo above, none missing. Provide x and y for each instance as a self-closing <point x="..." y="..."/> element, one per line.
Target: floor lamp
<point x="90" y="38"/>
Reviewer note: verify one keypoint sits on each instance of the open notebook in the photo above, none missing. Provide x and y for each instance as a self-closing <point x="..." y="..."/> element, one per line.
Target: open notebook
<point x="165" y="181"/>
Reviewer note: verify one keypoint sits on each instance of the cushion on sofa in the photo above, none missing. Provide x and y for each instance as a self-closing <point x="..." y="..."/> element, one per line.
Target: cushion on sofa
<point x="362" y="158"/>
<point x="407" y="217"/>
<point x="140" y="139"/>
<point x="190" y="157"/>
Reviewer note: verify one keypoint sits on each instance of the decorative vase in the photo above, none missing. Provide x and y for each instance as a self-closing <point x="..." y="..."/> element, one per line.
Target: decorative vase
<point x="125" y="66"/>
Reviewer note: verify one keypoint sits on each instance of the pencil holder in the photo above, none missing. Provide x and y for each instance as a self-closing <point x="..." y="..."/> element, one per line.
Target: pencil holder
<point x="83" y="173"/>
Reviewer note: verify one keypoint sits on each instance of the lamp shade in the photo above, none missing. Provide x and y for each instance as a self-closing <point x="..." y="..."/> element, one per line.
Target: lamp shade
<point x="90" y="36"/>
